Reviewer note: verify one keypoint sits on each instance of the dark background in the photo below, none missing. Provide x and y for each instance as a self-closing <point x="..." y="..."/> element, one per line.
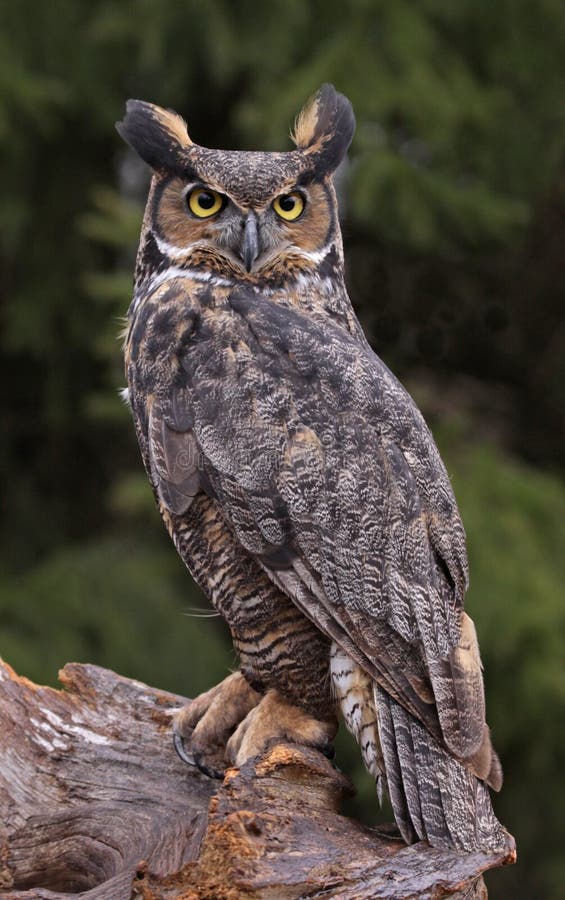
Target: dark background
<point x="453" y="207"/>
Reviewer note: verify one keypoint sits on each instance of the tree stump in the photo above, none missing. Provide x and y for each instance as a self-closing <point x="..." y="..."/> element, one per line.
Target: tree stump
<point x="94" y="803"/>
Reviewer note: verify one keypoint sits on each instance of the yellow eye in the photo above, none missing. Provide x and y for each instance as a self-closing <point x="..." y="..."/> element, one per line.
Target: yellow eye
<point x="289" y="206"/>
<point x="204" y="203"/>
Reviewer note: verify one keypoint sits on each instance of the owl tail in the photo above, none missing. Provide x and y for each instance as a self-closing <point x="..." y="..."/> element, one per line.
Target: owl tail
<point x="434" y="797"/>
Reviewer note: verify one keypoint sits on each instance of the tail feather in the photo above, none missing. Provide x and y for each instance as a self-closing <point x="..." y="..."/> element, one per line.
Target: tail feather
<point x="434" y="797"/>
<point x="408" y="782"/>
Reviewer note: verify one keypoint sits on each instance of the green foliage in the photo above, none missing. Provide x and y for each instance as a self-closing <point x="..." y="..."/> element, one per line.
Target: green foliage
<point x="118" y="602"/>
<point x="453" y="202"/>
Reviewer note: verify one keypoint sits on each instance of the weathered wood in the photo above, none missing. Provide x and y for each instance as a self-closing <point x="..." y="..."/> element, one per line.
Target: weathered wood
<point x="95" y="803"/>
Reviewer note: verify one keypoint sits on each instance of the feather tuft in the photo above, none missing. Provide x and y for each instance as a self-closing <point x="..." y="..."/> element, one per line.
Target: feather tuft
<point x="324" y="129"/>
<point x="159" y="136"/>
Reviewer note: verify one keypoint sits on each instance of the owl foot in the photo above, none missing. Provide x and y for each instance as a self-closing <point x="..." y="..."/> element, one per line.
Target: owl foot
<point x="273" y="720"/>
<point x="201" y="728"/>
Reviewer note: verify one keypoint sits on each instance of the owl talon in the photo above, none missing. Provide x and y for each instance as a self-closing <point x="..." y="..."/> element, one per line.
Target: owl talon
<point x="180" y="747"/>
<point x="202" y="728"/>
<point x="274" y="719"/>
<point x="210" y="771"/>
<point x="194" y="760"/>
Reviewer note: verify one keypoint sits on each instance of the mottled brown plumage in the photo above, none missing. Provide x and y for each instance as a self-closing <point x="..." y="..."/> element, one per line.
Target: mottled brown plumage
<point x="298" y="480"/>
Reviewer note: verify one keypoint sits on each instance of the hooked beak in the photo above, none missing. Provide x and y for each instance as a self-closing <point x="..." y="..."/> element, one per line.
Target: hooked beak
<point x="250" y="243"/>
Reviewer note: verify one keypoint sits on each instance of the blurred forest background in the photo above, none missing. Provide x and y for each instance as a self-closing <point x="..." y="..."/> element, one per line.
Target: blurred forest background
<point x="454" y="224"/>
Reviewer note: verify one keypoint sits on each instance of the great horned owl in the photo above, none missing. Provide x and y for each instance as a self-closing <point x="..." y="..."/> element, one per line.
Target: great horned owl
<point x="299" y="481"/>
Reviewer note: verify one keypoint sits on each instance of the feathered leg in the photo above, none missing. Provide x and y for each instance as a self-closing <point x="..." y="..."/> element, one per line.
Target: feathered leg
<point x="283" y="689"/>
<point x="353" y="689"/>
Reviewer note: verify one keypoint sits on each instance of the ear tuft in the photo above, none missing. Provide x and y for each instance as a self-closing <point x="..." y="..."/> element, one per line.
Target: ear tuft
<point x="325" y="127"/>
<point x="158" y="135"/>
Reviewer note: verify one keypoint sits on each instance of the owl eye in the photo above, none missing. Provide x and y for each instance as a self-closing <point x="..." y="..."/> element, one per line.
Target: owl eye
<point x="289" y="206"/>
<point x="204" y="203"/>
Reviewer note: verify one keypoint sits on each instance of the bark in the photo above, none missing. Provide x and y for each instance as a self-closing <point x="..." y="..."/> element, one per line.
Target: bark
<point x="95" y="803"/>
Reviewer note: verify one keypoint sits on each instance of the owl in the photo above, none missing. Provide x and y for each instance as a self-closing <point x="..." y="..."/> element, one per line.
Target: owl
<point x="298" y="480"/>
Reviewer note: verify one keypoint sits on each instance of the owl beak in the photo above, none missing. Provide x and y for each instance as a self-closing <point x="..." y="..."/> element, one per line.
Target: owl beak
<point x="250" y="244"/>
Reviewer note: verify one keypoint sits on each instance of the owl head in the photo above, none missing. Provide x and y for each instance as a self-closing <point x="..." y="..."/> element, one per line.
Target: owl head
<point x="250" y="215"/>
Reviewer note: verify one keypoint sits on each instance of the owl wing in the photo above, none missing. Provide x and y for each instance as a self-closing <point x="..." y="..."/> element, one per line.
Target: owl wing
<point x="329" y="477"/>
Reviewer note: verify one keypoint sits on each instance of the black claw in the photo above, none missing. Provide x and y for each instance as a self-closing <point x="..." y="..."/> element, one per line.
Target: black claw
<point x="328" y="750"/>
<point x="182" y="752"/>
<point x="194" y="759"/>
<point x="210" y="771"/>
